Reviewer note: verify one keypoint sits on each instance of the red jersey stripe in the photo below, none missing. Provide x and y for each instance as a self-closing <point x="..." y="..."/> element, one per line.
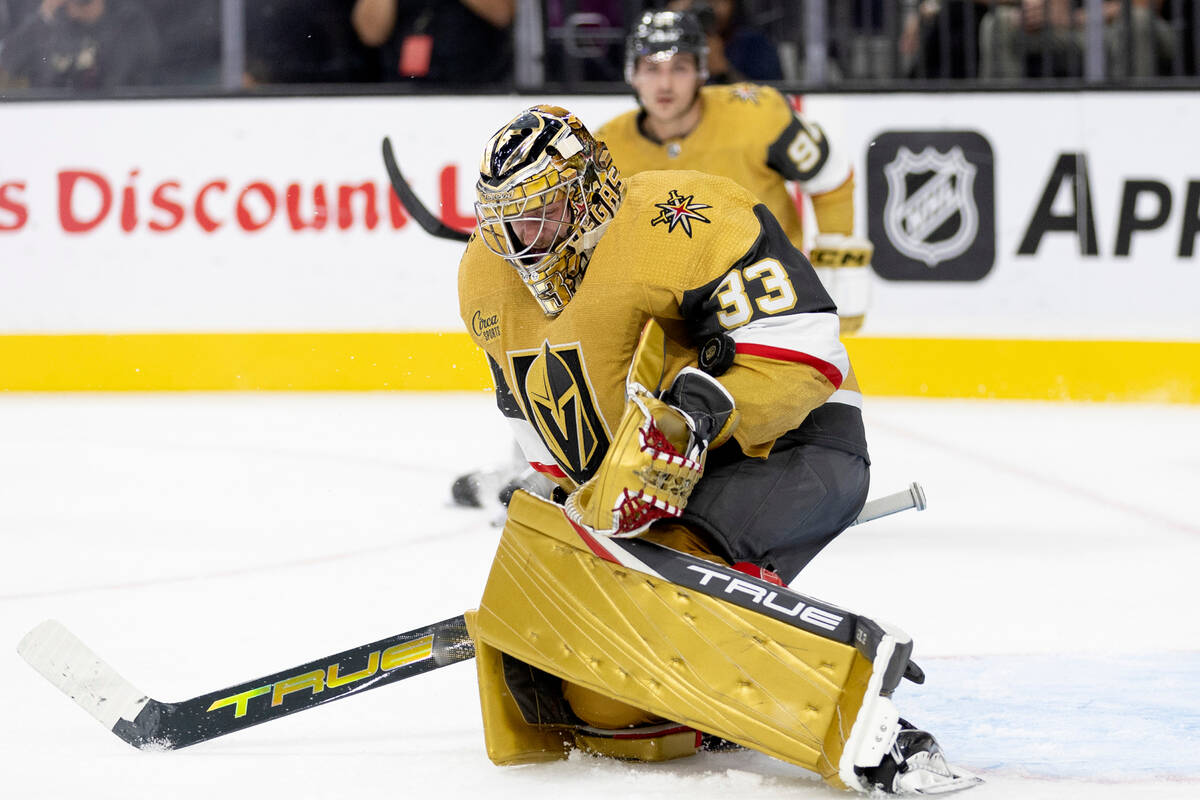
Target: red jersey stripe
<point x="831" y="372"/>
<point x="553" y="470"/>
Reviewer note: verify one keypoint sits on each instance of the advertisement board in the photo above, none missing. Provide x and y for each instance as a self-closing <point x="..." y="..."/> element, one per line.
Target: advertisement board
<point x="1026" y="245"/>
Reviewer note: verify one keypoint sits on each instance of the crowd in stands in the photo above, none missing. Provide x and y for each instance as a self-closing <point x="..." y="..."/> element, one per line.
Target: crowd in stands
<point x="102" y="45"/>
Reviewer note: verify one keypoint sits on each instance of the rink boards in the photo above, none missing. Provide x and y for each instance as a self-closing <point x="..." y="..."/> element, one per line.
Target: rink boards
<point x="1028" y="246"/>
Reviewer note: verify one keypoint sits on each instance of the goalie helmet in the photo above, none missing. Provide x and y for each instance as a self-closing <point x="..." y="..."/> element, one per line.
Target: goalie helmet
<point x="546" y="190"/>
<point x="663" y="34"/>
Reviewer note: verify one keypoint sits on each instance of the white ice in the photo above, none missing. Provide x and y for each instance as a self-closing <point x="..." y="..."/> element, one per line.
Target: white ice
<point x="199" y="541"/>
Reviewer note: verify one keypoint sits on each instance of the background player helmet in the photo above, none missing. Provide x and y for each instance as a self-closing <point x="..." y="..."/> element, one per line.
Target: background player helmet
<point x="664" y="34"/>
<point x="543" y="156"/>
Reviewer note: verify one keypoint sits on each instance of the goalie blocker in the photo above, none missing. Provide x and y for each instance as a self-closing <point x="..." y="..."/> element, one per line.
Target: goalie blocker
<point x="697" y="646"/>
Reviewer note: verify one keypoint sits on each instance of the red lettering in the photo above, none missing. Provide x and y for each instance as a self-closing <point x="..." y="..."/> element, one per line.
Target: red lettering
<point x="67" y="181"/>
<point x="346" y="214"/>
<point x="129" y="204"/>
<point x="245" y="219"/>
<point x="320" y="211"/>
<point x="20" y="214"/>
<point x="396" y="210"/>
<point x="206" y="222"/>
<point x="160" y="201"/>
<point x="449" y="188"/>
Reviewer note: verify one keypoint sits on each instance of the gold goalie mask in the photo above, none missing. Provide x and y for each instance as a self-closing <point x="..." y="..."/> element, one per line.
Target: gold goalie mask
<point x="546" y="190"/>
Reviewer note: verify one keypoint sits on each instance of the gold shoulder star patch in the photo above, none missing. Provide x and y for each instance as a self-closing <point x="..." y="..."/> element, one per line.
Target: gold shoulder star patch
<point x="679" y="211"/>
<point x="744" y="92"/>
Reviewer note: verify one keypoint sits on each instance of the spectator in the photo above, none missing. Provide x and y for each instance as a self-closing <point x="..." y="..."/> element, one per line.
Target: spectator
<point x="862" y="36"/>
<point x="439" y="41"/>
<point x="190" y="35"/>
<point x="1181" y="18"/>
<point x="1015" y="37"/>
<point x="305" y="41"/>
<point x="935" y="35"/>
<point x="81" y="44"/>
<point x="12" y="12"/>
<point x="586" y="40"/>
<point x="736" y="52"/>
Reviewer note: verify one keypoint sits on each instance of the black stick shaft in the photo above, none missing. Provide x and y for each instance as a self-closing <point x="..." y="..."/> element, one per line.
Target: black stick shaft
<point x="173" y="725"/>
<point x="430" y="223"/>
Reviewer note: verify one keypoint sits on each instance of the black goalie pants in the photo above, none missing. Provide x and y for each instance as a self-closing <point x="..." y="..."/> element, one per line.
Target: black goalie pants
<point x="778" y="512"/>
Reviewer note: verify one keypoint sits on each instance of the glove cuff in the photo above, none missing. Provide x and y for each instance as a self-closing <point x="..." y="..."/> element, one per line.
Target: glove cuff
<point x="707" y="402"/>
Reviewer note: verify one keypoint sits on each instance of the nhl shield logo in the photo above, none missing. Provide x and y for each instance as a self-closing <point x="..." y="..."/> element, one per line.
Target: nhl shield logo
<point x="928" y="193"/>
<point x="931" y="205"/>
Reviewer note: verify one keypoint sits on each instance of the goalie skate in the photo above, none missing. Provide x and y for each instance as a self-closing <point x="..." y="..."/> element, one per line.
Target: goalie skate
<point x="476" y="489"/>
<point x="482" y="488"/>
<point x="915" y="764"/>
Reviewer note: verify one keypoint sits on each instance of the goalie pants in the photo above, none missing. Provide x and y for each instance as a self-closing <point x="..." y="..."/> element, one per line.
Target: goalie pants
<point x="778" y="512"/>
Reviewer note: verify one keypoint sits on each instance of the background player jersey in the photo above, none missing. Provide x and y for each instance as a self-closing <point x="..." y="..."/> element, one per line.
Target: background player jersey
<point x="748" y="133"/>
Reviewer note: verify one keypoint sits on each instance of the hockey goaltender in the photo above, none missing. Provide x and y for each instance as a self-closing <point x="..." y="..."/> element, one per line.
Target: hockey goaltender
<point x="672" y="362"/>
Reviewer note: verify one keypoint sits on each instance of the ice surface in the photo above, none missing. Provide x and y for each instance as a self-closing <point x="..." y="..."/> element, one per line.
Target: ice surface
<point x="196" y="541"/>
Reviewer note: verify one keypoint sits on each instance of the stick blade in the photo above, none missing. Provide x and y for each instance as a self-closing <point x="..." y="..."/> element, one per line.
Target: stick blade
<point x="70" y="665"/>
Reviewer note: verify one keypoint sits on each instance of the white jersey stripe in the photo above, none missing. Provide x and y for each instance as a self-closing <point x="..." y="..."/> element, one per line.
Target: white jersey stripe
<point x="532" y="446"/>
<point x="847" y="397"/>
<point x="813" y="335"/>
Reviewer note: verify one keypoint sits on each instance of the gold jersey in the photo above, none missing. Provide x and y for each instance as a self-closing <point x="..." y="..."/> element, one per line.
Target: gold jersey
<point x="701" y="255"/>
<point x="750" y="134"/>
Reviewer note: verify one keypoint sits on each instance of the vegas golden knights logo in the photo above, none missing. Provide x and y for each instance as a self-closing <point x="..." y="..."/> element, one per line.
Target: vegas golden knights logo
<point x="557" y="396"/>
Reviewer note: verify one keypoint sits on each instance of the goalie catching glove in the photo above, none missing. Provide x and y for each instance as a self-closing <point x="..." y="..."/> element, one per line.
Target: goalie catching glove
<point x="658" y="452"/>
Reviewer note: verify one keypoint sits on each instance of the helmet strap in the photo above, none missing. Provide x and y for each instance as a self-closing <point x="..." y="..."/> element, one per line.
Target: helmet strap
<point x="589" y="239"/>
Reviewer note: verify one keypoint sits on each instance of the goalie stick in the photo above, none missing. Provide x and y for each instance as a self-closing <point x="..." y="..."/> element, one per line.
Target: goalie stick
<point x="424" y="217"/>
<point x="149" y="724"/>
<point x="913" y="497"/>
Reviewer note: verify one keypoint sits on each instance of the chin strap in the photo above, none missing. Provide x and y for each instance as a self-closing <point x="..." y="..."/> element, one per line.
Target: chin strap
<point x="589" y="239"/>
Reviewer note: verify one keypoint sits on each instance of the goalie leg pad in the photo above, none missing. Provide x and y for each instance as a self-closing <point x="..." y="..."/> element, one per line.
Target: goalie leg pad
<point x="683" y="538"/>
<point x="672" y="650"/>
<point x="509" y="738"/>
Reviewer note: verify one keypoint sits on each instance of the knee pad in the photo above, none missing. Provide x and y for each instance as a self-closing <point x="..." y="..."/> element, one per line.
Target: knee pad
<point x="601" y="711"/>
<point x="660" y="742"/>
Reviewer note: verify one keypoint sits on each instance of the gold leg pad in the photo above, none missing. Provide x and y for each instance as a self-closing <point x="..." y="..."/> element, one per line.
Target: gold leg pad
<point x="672" y="651"/>
<point x="509" y="739"/>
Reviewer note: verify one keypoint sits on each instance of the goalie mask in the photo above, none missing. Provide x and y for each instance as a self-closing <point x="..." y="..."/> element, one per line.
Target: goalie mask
<point x="663" y="34"/>
<point x="546" y="190"/>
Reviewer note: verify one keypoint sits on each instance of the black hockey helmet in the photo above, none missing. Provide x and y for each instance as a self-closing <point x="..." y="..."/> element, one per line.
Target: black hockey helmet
<point x="667" y="33"/>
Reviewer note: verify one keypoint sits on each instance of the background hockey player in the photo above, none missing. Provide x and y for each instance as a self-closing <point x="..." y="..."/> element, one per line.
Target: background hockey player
<point x="744" y="132"/>
<point x="673" y="363"/>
